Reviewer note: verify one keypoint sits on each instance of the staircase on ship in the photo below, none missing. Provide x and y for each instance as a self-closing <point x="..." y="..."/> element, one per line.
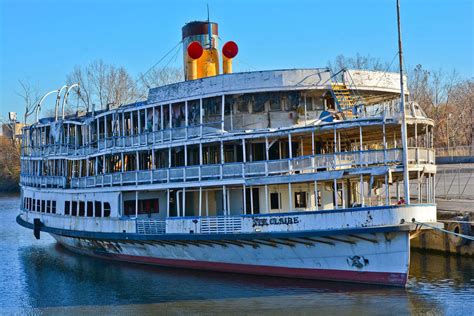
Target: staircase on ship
<point x="348" y="101"/>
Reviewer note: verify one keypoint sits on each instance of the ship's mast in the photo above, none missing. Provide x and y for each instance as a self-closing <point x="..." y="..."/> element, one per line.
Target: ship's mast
<point x="402" y="105"/>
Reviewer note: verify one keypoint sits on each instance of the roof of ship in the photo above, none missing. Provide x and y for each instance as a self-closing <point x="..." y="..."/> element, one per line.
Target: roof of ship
<point x="374" y="82"/>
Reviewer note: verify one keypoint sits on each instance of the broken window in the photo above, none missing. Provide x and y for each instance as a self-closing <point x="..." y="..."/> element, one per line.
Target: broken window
<point x="300" y="200"/>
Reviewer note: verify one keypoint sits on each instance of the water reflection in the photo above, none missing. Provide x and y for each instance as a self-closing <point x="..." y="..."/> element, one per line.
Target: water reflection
<point x="44" y="277"/>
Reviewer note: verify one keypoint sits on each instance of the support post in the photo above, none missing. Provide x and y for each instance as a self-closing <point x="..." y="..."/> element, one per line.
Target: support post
<point x="406" y="175"/>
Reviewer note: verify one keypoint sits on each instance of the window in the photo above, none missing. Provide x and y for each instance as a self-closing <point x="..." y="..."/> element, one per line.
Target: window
<point x="252" y="199"/>
<point x="90" y="209"/>
<point x="48" y="206"/>
<point x="275" y="201"/>
<point x="67" y="208"/>
<point x="43" y="206"/>
<point x="98" y="209"/>
<point x="148" y="206"/>
<point x="129" y="208"/>
<point x="38" y="206"/>
<point x="74" y="208"/>
<point x="300" y="199"/>
<point x="340" y="200"/>
<point x="106" y="209"/>
<point x="82" y="208"/>
<point x="53" y="207"/>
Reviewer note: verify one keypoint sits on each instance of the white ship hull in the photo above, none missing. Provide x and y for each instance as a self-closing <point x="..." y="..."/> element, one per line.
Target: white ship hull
<point x="379" y="258"/>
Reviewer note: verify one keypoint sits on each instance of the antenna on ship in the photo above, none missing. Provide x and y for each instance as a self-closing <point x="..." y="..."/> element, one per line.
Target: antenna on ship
<point x="406" y="175"/>
<point x="209" y="28"/>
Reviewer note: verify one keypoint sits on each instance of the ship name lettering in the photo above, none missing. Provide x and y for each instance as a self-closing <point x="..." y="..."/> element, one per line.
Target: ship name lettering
<point x="275" y="221"/>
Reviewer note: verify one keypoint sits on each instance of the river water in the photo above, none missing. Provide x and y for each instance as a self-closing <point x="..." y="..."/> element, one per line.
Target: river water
<point x="40" y="277"/>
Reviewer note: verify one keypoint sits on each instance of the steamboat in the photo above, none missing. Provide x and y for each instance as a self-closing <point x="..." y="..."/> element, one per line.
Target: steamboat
<point x="300" y="173"/>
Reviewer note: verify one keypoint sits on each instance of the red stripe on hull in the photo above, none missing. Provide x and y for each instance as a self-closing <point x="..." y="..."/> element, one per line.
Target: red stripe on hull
<point x="384" y="278"/>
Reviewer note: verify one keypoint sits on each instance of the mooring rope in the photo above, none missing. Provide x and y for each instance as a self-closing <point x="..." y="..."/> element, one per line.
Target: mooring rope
<point x="445" y="231"/>
<point x="450" y="221"/>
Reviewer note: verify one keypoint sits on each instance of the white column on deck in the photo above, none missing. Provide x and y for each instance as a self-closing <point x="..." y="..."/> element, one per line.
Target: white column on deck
<point x="222" y="113"/>
<point x="335" y="146"/>
<point x="316" y="194"/>
<point x="200" y="116"/>
<point x="290" y="198"/>
<point x="186" y="123"/>
<point x="224" y="200"/>
<point x="200" y="200"/>
<point x="312" y="150"/>
<point x="222" y="159"/>
<point x="105" y="131"/>
<point x="244" y="157"/>
<point x="167" y="202"/>
<point x="136" y="204"/>
<point x="244" y="195"/>
<point x="266" y="199"/>
<point x="335" y="195"/>
<point x="360" y="146"/>
<point x="290" y="151"/>
<point x="251" y="200"/>
<point x="139" y="125"/>
<point x="183" y="212"/>
<point x="305" y="110"/>
<point x="200" y="161"/>
<point x="266" y="156"/>
<point x="171" y="117"/>
<point x="384" y="144"/>
<point x="207" y="202"/>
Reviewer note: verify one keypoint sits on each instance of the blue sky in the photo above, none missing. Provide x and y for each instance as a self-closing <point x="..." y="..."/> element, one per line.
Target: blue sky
<point x="42" y="40"/>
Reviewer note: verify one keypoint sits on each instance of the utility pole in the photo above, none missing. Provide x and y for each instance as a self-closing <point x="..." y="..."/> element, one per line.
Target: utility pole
<point x="406" y="175"/>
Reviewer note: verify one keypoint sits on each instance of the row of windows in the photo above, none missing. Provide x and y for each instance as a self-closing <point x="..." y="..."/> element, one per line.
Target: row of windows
<point x="42" y="206"/>
<point x="87" y="208"/>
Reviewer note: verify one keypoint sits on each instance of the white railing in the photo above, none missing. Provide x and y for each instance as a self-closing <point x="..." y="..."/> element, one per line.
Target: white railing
<point x="221" y="225"/>
<point x="420" y="155"/>
<point x="43" y="181"/>
<point x="151" y="226"/>
<point x="103" y="144"/>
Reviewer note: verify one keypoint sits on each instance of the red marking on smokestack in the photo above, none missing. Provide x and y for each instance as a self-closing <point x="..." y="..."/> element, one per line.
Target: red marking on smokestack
<point x="230" y="49"/>
<point x="195" y="50"/>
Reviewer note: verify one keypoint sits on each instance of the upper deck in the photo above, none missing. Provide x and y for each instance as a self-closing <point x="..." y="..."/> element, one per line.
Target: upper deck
<point x="249" y="102"/>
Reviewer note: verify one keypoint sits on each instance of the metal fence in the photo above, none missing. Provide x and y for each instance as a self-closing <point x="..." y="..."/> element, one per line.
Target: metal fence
<point x="455" y="181"/>
<point x="458" y="151"/>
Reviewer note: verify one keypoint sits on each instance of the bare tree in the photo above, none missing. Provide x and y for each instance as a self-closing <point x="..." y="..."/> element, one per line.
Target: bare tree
<point x="157" y="77"/>
<point x="30" y="97"/>
<point x="358" y="62"/>
<point x="447" y="99"/>
<point x="102" y="85"/>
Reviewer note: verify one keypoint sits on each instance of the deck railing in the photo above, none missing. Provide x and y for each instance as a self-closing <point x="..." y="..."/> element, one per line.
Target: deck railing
<point x="151" y="226"/>
<point x="123" y="141"/>
<point x="240" y="170"/>
<point x="221" y="225"/>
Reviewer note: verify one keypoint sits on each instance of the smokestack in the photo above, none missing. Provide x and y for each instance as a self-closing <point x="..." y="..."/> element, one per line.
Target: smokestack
<point x="201" y="58"/>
